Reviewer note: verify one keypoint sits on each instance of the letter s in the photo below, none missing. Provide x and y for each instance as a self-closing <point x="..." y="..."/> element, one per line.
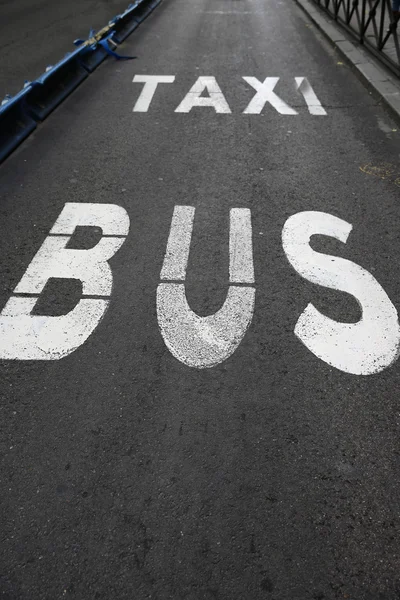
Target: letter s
<point x="361" y="348"/>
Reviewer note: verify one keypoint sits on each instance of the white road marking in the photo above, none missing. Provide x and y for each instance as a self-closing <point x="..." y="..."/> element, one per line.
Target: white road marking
<point x="361" y="348"/>
<point x="193" y="98"/>
<point x="241" y="269"/>
<point x="30" y="337"/>
<point x="150" y="85"/>
<point x="27" y="337"/>
<point x="216" y="99"/>
<point x="53" y="259"/>
<point x="177" y="253"/>
<point x="206" y="341"/>
<point x="111" y="218"/>
<point x="314" y="105"/>
<point x="265" y="93"/>
<point x="203" y="342"/>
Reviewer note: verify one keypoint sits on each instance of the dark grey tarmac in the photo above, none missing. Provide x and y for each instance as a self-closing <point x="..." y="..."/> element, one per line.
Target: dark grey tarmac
<point x="126" y="474"/>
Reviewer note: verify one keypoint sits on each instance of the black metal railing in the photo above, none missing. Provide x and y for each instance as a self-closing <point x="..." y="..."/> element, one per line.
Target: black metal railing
<point x="372" y="23"/>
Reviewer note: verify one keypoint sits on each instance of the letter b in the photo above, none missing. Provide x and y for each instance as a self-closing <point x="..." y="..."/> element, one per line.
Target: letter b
<point x="24" y="336"/>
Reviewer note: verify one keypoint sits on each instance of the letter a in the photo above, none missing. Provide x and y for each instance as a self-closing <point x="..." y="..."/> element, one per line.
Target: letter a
<point x="24" y="336"/>
<point x="206" y="341"/>
<point x="216" y="99"/>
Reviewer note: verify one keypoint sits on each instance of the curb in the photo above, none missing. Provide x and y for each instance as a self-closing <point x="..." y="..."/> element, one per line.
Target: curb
<point x="379" y="80"/>
<point x="20" y="114"/>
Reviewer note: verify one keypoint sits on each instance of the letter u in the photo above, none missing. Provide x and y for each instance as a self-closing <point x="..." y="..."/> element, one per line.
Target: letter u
<point x="203" y="342"/>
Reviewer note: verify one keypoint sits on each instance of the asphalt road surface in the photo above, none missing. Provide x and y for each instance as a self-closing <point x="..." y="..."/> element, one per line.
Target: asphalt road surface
<point x="148" y="452"/>
<point x="38" y="33"/>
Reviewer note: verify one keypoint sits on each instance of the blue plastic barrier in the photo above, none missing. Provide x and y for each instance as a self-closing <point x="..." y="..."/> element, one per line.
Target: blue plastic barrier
<point x="92" y="56"/>
<point x="144" y="9"/>
<point x="126" y="23"/>
<point x="15" y="123"/>
<point x="19" y="115"/>
<point x="55" y="85"/>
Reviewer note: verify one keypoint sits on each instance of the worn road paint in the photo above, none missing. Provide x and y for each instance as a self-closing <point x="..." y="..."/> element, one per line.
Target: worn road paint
<point x="314" y="105"/>
<point x="265" y="93"/>
<point x="178" y="246"/>
<point x="53" y="259"/>
<point x="193" y="98"/>
<point x="241" y="269"/>
<point x="149" y="89"/>
<point x="203" y="342"/>
<point x="111" y="218"/>
<point x="361" y="348"/>
<point x="216" y="99"/>
<point x="25" y="336"/>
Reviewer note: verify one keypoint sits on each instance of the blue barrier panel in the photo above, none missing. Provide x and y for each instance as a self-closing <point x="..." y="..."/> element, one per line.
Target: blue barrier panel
<point x="144" y="9"/>
<point x="124" y="29"/>
<point x="56" y="84"/>
<point x="15" y="123"/>
<point x="91" y="57"/>
<point x="126" y="23"/>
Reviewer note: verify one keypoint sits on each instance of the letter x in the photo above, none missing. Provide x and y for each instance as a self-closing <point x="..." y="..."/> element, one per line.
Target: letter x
<point x="266" y="94"/>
